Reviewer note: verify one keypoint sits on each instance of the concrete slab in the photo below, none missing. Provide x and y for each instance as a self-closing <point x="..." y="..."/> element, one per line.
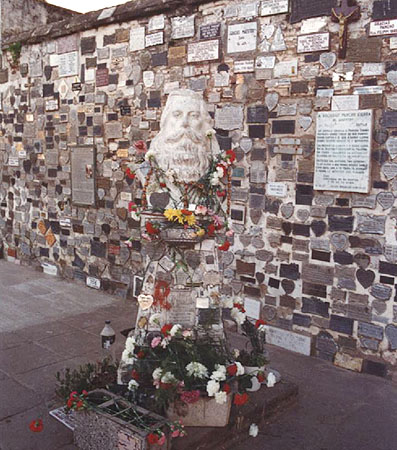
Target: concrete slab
<point x="75" y="343"/>
<point x="14" y="397"/>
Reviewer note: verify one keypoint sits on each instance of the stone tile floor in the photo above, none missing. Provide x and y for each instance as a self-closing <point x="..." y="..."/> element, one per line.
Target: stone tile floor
<point x="47" y="324"/>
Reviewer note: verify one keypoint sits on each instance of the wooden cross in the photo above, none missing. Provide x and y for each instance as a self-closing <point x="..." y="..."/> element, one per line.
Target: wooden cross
<point x="344" y="14"/>
<point x="28" y="85"/>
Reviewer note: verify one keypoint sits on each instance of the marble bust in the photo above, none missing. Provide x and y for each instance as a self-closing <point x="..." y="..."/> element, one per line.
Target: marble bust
<point x="183" y="143"/>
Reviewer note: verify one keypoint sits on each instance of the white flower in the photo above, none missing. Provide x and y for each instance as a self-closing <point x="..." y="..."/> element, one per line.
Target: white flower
<point x="149" y="154"/>
<point x="253" y="431"/>
<point x="212" y="388"/>
<point x="227" y="302"/>
<point x="271" y="380"/>
<point x="236" y="353"/>
<point x="262" y="328"/>
<point x="164" y="342"/>
<point x="240" y="369"/>
<point x="221" y="397"/>
<point x="175" y="329"/>
<point x="238" y="316"/>
<point x="197" y="370"/>
<point x="130" y="344"/>
<point x="214" y="179"/>
<point x="209" y="133"/>
<point x="132" y="385"/>
<point x="127" y="358"/>
<point x="219" y="374"/>
<point x="219" y="172"/>
<point x="168" y="378"/>
<point x="154" y="319"/>
<point x="135" y="215"/>
<point x="157" y="374"/>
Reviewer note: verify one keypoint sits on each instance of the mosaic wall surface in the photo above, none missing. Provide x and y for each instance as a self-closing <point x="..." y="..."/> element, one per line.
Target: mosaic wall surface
<point x="322" y="264"/>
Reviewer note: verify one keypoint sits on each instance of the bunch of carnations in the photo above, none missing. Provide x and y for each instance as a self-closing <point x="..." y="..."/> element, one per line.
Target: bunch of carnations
<point x="77" y="402"/>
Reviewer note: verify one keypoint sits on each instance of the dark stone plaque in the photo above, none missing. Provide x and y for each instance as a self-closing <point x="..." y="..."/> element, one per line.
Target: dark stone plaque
<point x="384" y="9"/>
<point x="257" y="114"/>
<point x="125" y="110"/>
<point x="389" y="119"/>
<point x="209" y="316"/>
<point x="341" y="324"/>
<point x="77" y="86"/>
<point x="318" y="274"/>
<point x="83" y="175"/>
<point x="305" y="9"/>
<point x="160" y="59"/>
<point x="326" y="346"/>
<point x="210" y="31"/>
<point x="290" y="271"/>
<point x="88" y="45"/>
<point x="374" y="368"/>
<point x="364" y="50"/>
<point x="315" y="306"/>
<point x="301" y="320"/>
<point x="102" y="77"/>
<point x="283" y="127"/>
<point x="371" y="331"/>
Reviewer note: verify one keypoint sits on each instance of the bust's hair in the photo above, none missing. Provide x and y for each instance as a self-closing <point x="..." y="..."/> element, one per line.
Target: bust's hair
<point x="187" y="93"/>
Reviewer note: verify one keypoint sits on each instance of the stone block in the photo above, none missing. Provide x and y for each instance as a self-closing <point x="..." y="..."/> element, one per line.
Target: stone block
<point x="346" y="361"/>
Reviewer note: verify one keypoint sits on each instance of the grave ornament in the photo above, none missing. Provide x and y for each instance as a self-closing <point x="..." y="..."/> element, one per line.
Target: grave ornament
<point x="344" y="14"/>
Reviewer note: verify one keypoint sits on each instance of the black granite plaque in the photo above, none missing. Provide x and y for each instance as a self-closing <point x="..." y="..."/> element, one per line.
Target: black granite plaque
<point x="160" y="59"/>
<point x="389" y="119"/>
<point x="125" y="110"/>
<point x="341" y="324"/>
<point x="88" y="45"/>
<point x="257" y="114"/>
<point x="315" y="306"/>
<point x="384" y="9"/>
<point x="304" y="9"/>
<point x="283" y="127"/>
<point x="210" y="31"/>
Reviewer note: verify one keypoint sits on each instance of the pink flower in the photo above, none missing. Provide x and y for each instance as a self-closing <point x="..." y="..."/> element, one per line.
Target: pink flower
<point x="186" y="333"/>
<point x="217" y="220"/>
<point x="229" y="233"/>
<point x="128" y="243"/>
<point x="155" y="342"/>
<point x="175" y="434"/>
<point x="161" y="440"/>
<point x="190" y="396"/>
<point x="200" y="209"/>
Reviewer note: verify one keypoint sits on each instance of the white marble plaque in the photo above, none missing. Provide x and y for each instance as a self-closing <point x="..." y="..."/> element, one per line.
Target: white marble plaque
<point x="271" y="7"/>
<point x="93" y="283"/>
<point x="244" y="66"/>
<point x="382" y="27"/>
<point x="393" y="43"/>
<point x="229" y="117"/>
<point x="83" y="176"/>
<point x="182" y="27"/>
<point x="248" y="10"/>
<point x="343" y="149"/>
<point x="242" y="37"/>
<point x="137" y="39"/>
<point x="154" y="39"/>
<point x="368" y="90"/>
<point x="68" y="64"/>
<point x="265" y="62"/>
<point x="345" y="102"/>
<point x="317" y="42"/>
<point x="286" y="68"/>
<point x="203" y="51"/>
<point x="106" y="13"/>
<point x="156" y="23"/>
<point x="252" y="308"/>
<point x="276" y="189"/>
<point x="288" y="340"/>
<point x="372" y="69"/>
<point x="313" y="25"/>
<point x="13" y="161"/>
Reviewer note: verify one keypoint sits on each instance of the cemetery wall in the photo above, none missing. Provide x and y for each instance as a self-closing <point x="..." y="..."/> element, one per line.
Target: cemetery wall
<point x="315" y="239"/>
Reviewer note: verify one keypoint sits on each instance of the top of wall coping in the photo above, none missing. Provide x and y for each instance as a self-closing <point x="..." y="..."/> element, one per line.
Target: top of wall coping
<point x="128" y="11"/>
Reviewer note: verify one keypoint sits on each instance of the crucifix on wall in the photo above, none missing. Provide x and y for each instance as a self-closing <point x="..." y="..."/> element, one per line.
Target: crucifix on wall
<point x="345" y="14"/>
<point x="29" y="85"/>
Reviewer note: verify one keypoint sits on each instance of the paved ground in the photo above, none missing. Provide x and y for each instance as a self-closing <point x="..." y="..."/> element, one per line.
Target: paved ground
<point x="47" y="324"/>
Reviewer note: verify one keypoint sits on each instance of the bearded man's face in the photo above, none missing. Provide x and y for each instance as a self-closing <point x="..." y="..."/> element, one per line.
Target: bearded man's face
<point x="182" y="144"/>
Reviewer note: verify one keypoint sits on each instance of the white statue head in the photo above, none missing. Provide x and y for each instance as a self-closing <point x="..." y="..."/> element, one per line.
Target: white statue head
<point x="183" y="143"/>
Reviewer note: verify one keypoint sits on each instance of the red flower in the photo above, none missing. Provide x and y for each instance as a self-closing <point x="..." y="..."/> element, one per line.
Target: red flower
<point x="221" y="193"/>
<point x="141" y="354"/>
<point x="135" y="374"/>
<point x="239" y="306"/>
<point x="190" y="396"/>
<point x="152" y="438"/>
<point x="73" y="394"/>
<point x="231" y="156"/>
<point x="240" y="399"/>
<point x="79" y="404"/>
<point x="211" y="229"/>
<point x="226" y="387"/>
<point x="36" y="426"/>
<point x="165" y="331"/>
<point x="140" y="146"/>
<point x="259" y="322"/>
<point x="232" y="370"/>
<point x="225" y="246"/>
<point x="69" y="403"/>
<point x="84" y="392"/>
<point x="151" y="229"/>
<point x="165" y="386"/>
<point x="261" y="377"/>
<point x="163" y="185"/>
<point x="186" y="212"/>
<point x="130" y="174"/>
<point x="132" y="206"/>
<point x="223" y="168"/>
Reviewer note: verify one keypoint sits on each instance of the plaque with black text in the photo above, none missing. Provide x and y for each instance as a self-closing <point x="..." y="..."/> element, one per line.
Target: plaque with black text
<point x="305" y="9"/>
<point x="83" y="175"/>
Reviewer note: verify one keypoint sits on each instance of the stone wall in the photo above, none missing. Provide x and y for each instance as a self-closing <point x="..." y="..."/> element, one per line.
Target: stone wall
<point x="322" y="264"/>
<point x="21" y="15"/>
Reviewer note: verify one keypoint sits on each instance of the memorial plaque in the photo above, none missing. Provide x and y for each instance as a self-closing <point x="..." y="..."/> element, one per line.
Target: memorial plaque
<point x="203" y="51"/>
<point x="156" y="23"/>
<point x="244" y="66"/>
<point x="370" y="330"/>
<point x="274" y="189"/>
<point x="385" y="199"/>
<point x="67" y="44"/>
<point x="343" y="149"/>
<point x="364" y="201"/>
<point x="391" y="146"/>
<point x="371" y="224"/>
<point x="318" y="274"/>
<point x="154" y="39"/>
<point x="345" y="102"/>
<point x="210" y="31"/>
<point x="391" y="334"/>
<point x="209" y="316"/>
<point x="102" y="77"/>
<point x="393" y="43"/>
<point x="176" y="55"/>
<point x="390" y="252"/>
<point x="389" y="119"/>
<point x="288" y="340"/>
<point x="257" y="114"/>
<point x="265" y="62"/>
<point x="316" y="42"/>
<point x="229" y="117"/>
<point x="272" y="7"/>
<point x="384" y="9"/>
<point x="182" y="27"/>
<point x="381" y="292"/>
<point x="183" y="308"/>
<point x="83" y="175"/>
<point x="242" y="37"/>
<point x="68" y="64"/>
<point x="52" y="104"/>
<point x="125" y="110"/>
<point x="364" y="50"/>
<point x="389" y="170"/>
<point x="305" y="9"/>
<point x="286" y="69"/>
<point x="137" y="39"/>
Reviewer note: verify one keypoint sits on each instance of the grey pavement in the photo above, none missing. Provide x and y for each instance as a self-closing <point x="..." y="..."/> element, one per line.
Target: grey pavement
<point x="47" y="324"/>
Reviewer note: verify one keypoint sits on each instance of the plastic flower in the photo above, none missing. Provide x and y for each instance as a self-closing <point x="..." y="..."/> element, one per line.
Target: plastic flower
<point x="36" y="426"/>
<point x="225" y="246"/>
<point x="130" y="344"/>
<point x="127" y="357"/>
<point x="197" y="370"/>
<point x="220" y="171"/>
<point x="190" y="220"/>
<point x="212" y="388"/>
<point x="232" y="370"/>
<point x="231" y="156"/>
<point x="214" y="179"/>
<point x="155" y="341"/>
<point x="219" y="374"/>
<point x="132" y="385"/>
<point x="190" y="397"/>
<point x="221" y="397"/>
<point x="200" y="232"/>
<point x="168" y="378"/>
<point x="226" y="388"/>
<point x="271" y="380"/>
<point x="202" y="210"/>
<point x="152" y="438"/>
<point x="240" y="368"/>
<point x="187" y="333"/>
<point x="151" y="229"/>
<point x="259" y="322"/>
<point x="175" y="330"/>
<point x="229" y="233"/>
<point x="238" y="316"/>
<point x="261" y="377"/>
<point x="240" y="399"/>
<point x="149" y="155"/>
<point x="253" y="431"/>
<point x="165" y="331"/>
<point x="157" y="373"/>
<point x="140" y="146"/>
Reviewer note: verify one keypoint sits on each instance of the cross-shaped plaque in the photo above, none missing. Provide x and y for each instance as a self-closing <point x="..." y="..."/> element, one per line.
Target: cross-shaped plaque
<point x="344" y="14"/>
<point x="29" y="85"/>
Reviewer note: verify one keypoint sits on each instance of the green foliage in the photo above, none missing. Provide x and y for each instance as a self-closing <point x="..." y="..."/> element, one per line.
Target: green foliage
<point x="15" y="50"/>
<point x="100" y="375"/>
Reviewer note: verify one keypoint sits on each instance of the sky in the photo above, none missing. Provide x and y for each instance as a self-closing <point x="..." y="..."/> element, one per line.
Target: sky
<point x="86" y="5"/>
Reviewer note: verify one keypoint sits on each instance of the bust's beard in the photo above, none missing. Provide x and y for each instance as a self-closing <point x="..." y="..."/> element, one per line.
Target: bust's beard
<point x="186" y="153"/>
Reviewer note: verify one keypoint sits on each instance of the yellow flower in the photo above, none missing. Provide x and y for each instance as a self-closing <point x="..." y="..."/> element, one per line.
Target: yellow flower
<point x="170" y="214"/>
<point x="190" y="220"/>
<point x="200" y="232"/>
